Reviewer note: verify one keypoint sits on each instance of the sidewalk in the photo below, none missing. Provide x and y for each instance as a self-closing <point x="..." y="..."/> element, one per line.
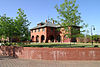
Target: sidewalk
<point x="12" y="62"/>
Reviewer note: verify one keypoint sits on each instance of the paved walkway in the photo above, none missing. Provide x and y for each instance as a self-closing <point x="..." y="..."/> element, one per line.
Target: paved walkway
<point x="11" y="62"/>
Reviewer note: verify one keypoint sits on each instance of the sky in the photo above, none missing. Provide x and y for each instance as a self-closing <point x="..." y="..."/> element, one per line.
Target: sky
<point x="39" y="10"/>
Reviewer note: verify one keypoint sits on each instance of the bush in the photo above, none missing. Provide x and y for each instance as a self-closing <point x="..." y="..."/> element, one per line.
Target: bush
<point x="20" y="44"/>
<point x="96" y="46"/>
<point x="5" y="44"/>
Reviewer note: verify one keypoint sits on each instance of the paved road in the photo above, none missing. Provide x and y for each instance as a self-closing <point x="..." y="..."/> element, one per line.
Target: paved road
<point x="11" y="62"/>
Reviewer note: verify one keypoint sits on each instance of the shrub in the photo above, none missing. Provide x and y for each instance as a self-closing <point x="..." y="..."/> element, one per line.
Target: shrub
<point x="96" y="46"/>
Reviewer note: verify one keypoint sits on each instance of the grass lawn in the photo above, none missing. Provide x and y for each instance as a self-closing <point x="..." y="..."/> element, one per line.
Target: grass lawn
<point x="55" y="45"/>
<point x="62" y="45"/>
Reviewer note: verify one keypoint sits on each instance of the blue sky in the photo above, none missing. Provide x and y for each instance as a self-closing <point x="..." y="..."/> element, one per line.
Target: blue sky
<point x="40" y="10"/>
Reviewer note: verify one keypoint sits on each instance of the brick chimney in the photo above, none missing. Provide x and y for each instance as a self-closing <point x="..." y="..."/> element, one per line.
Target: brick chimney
<point x="46" y="21"/>
<point x="53" y="21"/>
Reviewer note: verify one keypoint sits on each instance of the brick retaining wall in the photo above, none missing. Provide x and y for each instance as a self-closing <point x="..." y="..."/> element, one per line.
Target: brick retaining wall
<point x="51" y="53"/>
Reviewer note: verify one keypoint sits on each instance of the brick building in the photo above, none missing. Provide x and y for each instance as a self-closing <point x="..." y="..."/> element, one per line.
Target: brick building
<point x="48" y="32"/>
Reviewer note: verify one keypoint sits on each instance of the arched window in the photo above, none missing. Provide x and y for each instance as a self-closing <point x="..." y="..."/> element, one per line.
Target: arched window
<point x="32" y="38"/>
<point x="37" y="38"/>
<point x="42" y="38"/>
<point x="52" y="38"/>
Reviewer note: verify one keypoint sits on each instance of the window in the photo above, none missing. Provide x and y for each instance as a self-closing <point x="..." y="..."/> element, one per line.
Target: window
<point x="51" y="29"/>
<point x="35" y="30"/>
<point x="43" y="29"/>
<point x="38" y="30"/>
<point x="32" y="31"/>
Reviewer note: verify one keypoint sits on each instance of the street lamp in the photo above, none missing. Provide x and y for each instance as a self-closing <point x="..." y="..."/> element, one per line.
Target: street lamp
<point x="92" y="28"/>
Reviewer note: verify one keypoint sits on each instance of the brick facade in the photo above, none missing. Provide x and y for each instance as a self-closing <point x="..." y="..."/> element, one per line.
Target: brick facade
<point x="48" y="33"/>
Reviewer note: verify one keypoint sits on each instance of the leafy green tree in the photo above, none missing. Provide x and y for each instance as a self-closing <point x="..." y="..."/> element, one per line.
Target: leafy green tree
<point x="5" y="26"/>
<point x="21" y="25"/>
<point x="15" y="28"/>
<point x="96" y="38"/>
<point x="69" y="17"/>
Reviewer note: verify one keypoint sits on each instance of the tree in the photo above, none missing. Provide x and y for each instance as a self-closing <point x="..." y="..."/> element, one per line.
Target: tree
<point x="15" y="28"/>
<point x="96" y="38"/>
<point x="6" y="26"/>
<point x="69" y="16"/>
<point x="21" y="25"/>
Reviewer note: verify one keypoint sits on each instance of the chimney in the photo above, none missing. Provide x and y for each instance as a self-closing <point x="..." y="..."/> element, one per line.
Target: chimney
<point x="46" y="21"/>
<point x="53" y="21"/>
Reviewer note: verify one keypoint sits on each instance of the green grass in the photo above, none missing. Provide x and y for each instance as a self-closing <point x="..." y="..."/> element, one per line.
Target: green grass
<point x="55" y="45"/>
<point x="63" y="45"/>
